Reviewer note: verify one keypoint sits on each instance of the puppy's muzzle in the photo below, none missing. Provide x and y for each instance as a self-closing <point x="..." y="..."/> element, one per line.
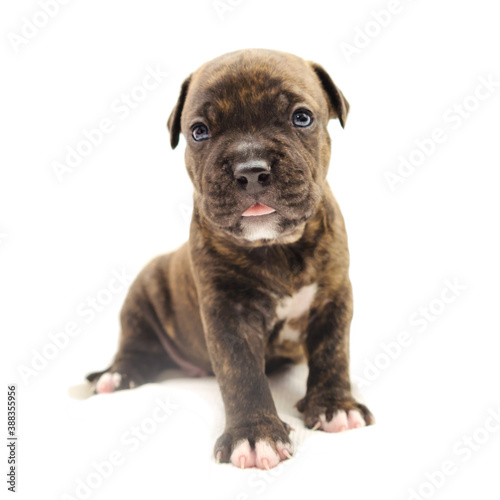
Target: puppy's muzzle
<point x="253" y="177"/>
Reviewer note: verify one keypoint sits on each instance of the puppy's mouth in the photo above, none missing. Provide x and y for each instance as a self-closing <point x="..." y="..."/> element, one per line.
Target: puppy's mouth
<point x="258" y="209"/>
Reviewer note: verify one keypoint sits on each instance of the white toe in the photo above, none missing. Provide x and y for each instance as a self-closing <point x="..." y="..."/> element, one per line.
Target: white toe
<point x="266" y="457"/>
<point x="243" y="456"/>
<point x="355" y="419"/>
<point x="105" y="384"/>
<point x="284" y="450"/>
<point x="337" y="424"/>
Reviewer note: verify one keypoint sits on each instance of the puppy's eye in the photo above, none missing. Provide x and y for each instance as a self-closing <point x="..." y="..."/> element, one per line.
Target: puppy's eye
<point x="200" y="132"/>
<point x="302" y="118"/>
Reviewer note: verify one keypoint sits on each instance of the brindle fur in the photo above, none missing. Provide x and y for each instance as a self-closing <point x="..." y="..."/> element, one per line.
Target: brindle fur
<point x="215" y="298"/>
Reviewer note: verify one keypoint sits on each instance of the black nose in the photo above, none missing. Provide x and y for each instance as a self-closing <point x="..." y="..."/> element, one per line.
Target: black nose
<point x="253" y="176"/>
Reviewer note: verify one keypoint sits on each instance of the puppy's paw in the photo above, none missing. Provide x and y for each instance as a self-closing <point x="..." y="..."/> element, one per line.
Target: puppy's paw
<point x="333" y="415"/>
<point x="262" y="445"/>
<point x="111" y="382"/>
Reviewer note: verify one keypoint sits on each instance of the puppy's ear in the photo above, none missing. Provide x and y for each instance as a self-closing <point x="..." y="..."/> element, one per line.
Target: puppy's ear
<point x="339" y="107"/>
<point x="174" y="122"/>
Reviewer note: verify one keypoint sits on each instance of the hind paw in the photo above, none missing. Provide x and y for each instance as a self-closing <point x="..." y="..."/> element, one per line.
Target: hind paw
<point x="113" y="381"/>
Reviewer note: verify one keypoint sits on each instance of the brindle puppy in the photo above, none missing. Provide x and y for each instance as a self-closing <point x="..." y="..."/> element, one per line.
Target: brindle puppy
<point x="264" y="278"/>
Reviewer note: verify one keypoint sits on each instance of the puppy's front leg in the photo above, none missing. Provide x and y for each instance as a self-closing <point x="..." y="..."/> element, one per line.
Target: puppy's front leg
<point x="329" y="404"/>
<point x="254" y="435"/>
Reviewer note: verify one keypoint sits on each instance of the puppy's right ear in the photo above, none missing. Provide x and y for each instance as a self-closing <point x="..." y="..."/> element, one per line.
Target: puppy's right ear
<point x="174" y="122"/>
<point x="339" y="107"/>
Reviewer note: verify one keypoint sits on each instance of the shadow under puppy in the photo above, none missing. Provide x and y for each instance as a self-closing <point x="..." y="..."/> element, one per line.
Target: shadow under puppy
<point x="263" y="279"/>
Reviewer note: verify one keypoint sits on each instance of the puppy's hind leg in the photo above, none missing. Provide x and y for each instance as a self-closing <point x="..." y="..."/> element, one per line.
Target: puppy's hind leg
<point x="141" y="355"/>
<point x="139" y="360"/>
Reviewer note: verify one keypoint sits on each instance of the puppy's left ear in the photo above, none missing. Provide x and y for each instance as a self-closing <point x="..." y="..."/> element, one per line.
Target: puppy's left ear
<point x="339" y="107"/>
<point x="174" y="122"/>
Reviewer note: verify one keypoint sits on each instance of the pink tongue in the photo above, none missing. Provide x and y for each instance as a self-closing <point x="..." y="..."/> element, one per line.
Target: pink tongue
<point x="258" y="209"/>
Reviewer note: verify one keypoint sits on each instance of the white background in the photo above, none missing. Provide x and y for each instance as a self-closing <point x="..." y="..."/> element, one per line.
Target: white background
<point x="128" y="199"/>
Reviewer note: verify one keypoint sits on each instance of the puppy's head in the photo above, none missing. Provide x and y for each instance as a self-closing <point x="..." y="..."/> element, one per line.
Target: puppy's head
<point x="258" y="149"/>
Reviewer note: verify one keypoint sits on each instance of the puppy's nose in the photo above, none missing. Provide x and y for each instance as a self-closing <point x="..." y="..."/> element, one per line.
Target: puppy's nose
<point x="253" y="176"/>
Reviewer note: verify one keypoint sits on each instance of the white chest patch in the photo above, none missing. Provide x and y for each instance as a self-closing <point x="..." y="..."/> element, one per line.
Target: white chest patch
<point x="293" y="307"/>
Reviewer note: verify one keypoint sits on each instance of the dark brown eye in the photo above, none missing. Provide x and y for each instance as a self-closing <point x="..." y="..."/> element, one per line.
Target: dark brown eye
<point x="200" y="132"/>
<point x="302" y="118"/>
